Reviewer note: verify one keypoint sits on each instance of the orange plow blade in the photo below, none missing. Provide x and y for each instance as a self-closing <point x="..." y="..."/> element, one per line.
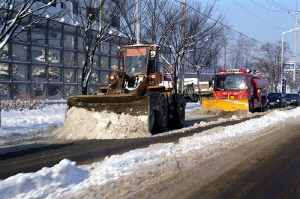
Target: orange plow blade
<point x="225" y="104"/>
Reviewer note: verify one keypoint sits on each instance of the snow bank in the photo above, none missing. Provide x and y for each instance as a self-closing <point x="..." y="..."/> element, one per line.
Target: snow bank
<point x="42" y="183"/>
<point x="199" y="141"/>
<point x="22" y="121"/>
<point x="82" y="124"/>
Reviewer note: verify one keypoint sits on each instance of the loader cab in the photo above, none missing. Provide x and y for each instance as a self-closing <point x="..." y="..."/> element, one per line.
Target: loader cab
<point x="135" y="60"/>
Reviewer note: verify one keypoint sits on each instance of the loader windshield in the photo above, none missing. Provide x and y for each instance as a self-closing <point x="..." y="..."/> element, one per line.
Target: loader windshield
<point x="135" y="60"/>
<point x="230" y="82"/>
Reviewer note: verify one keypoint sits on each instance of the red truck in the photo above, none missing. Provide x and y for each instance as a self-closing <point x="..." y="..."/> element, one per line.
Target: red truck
<point x="236" y="89"/>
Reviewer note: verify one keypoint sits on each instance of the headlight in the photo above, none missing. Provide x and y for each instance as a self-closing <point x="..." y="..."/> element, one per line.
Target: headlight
<point x="111" y="77"/>
<point x="153" y="76"/>
<point x="277" y="100"/>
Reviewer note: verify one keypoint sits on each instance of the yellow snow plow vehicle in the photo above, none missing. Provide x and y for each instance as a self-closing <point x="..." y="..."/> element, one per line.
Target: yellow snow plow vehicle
<point x="138" y="88"/>
<point x="236" y="89"/>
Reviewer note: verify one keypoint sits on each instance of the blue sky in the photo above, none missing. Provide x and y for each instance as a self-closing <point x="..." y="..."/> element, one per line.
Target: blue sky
<point x="263" y="20"/>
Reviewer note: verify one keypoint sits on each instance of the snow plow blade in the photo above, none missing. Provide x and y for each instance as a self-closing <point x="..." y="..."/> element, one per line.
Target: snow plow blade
<point x="225" y="104"/>
<point x="132" y="105"/>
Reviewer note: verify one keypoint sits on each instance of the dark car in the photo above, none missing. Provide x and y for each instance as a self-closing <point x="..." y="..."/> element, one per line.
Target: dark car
<point x="292" y="99"/>
<point x="276" y="99"/>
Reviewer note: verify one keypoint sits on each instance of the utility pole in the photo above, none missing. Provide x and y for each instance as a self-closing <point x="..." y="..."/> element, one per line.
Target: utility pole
<point x="181" y="70"/>
<point x="137" y="22"/>
<point x="295" y="46"/>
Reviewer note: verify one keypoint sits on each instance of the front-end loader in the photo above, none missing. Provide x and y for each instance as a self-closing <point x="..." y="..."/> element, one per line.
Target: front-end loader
<point x="139" y="88"/>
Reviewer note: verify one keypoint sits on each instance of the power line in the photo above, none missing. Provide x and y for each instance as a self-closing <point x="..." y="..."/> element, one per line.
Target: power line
<point x="255" y="40"/>
<point x="279" y="6"/>
<point x="267" y="8"/>
<point x="257" y="16"/>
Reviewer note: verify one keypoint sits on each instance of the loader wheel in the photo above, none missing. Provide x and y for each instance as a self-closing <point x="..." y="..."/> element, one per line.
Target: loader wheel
<point x="179" y="113"/>
<point x="161" y="115"/>
<point x="152" y="105"/>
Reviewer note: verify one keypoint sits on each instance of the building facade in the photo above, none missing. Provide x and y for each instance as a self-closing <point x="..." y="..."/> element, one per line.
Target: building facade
<point x="46" y="63"/>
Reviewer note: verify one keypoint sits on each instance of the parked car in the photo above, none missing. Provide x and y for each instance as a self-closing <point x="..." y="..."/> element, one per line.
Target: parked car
<point x="292" y="99"/>
<point x="276" y="99"/>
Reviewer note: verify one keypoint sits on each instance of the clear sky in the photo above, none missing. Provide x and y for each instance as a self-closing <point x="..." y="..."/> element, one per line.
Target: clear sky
<point x="263" y="20"/>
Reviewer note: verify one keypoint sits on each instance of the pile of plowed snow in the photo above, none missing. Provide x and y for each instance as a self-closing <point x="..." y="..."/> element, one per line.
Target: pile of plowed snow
<point x="82" y="124"/>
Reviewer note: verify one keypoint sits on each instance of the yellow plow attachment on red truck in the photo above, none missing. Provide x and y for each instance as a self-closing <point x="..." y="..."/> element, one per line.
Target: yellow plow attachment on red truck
<point x="225" y="104"/>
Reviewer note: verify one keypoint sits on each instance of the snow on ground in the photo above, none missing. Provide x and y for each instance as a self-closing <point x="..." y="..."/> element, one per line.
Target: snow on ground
<point x="66" y="178"/>
<point x="22" y="121"/>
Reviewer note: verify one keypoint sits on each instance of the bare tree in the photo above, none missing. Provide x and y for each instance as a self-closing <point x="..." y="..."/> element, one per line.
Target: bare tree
<point x="12" y="12"/>
<point x="95" y="20"/>
<point x="268" y="64"/>
<point x="241" y="52"/>
<point x="200" y="36"/>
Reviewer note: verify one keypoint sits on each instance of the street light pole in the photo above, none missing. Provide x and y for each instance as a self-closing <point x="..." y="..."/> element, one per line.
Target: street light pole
<point x="295" y="46"/>
<point x="281" y="68"/>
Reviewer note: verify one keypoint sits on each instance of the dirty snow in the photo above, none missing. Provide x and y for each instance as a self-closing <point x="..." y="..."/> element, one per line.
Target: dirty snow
<point x="82" y="124"/>
<point x="66" y="179"/>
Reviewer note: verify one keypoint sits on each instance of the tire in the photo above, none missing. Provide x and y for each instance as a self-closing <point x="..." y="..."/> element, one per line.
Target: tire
<point x="152" y="100"/>
<point x="178" y="119"/>
<point x="263" y="105"/>
<point x="251" y="108"/>
<point x="161" y="114"/>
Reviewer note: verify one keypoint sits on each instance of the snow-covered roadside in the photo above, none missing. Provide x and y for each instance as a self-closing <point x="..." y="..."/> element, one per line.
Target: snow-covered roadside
<point x="29" y="120"/>
<point x="67" y="179"/>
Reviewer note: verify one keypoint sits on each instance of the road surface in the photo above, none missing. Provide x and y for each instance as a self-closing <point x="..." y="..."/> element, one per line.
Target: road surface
<point x="266" y="167"/>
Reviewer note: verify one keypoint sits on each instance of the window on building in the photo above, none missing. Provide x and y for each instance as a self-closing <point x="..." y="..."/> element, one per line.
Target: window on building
<point x="69" y="41"/>
<point x="38" y="53"/>
<point x="20" y="91"/>
<point x="20" y="72"/>
<point x="79" y="75"/>
<point x="20" y="52"/>
<point x="93" y="89"/>
<point x="114" y="49"/>
<point x="69" y="91"/>
<point x="69" y="58"/>
<point x="80" y="57"/>
<point x="54" y="91"/>
<point x="115" y="21"/>
<point x="4" y="71"/>
<point x="79" y="90"/>
<point x="54" y="74"/>
<point x="38" y="35"/>
<point x="114" y="63"/>
<point x="38" y="90"/>
<point x="96" y="62"/>
<point x="54" y="38"/>
<point x="104" y="77"/>
<point x="94" y="77"/>
<point x="104" y="62"/>
<point x="4" y="91"/>
<point x="38" y="72"/>
<point x="22" y="36"/>
<point x="75" y="6"/>
<point x="92" y="13"/>
<point x="4" y="53"/>
<point x="105" y="48"/>
<point x="54" y="56"/>
<point x="80" y="44"/>
<point x="69" y="75"/>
